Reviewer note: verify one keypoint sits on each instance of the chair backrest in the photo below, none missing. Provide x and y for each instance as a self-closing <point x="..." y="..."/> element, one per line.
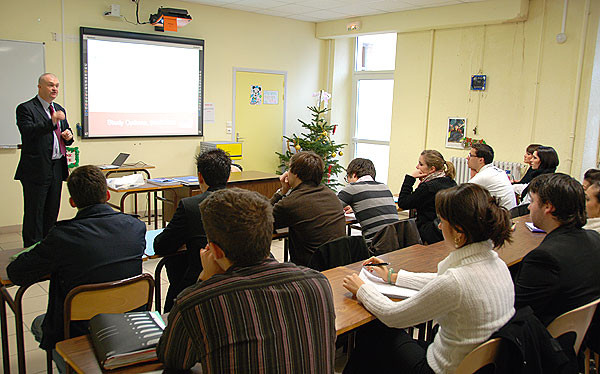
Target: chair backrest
<point x="577" y="320"/>
<point x="339" y="252"/>
<point x="85" y="301"/>
<point x="395" y="236"/>
<point x="519" y="210"/>
<point x="483" y="355"/>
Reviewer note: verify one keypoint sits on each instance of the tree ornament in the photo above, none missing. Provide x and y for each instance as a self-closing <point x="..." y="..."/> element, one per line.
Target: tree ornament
<point x="297" y="147"/>
<point x="341" y="153"/>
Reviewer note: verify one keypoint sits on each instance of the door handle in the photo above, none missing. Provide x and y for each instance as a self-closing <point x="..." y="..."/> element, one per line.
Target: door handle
<point x="238" y="138"/>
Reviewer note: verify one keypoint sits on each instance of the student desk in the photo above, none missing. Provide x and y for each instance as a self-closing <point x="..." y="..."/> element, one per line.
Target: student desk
<point x="145" y="188"/>
<point x="350" y="314"/>
<point x="264" y="183"/>
<point x="79" y="354"/>
<point x="129" y="168"/>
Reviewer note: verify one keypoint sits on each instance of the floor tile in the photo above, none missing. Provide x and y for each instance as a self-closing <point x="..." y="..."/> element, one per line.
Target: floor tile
<point x="11" y="238"/>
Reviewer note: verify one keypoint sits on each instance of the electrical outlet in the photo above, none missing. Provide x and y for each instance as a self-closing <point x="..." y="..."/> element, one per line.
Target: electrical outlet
<point x="228" y="130"/>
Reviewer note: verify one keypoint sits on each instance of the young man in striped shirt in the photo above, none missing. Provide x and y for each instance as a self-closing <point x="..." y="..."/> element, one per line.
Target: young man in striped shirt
<point x="248" y="313"/>
<point x="372" y="202"/>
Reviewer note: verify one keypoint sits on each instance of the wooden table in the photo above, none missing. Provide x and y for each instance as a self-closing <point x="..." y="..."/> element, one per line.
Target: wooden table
<point x="130" y="168"/>
<point x="264" y="183"/>
<point x="79" y="354"/>
<point x="146" y="188"/>
<point x="350" y="314"/>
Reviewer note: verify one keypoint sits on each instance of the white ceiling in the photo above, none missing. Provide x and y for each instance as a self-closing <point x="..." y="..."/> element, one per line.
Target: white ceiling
<point x="326" y="10"/>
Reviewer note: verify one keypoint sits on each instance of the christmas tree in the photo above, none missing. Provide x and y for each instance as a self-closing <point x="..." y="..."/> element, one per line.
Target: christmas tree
<point x="318" y="139"/>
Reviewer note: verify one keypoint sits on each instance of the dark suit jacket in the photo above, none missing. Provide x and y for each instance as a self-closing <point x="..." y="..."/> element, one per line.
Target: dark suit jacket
<point x="37" y="140"/>
<point x="185" y="228"/>
<point x="313" y="214"/>
<point x="561" y="274"/>
<point x="98" y="245"/>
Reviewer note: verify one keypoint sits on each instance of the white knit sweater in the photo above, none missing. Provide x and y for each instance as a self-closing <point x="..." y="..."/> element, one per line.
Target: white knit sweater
<point x="471" y="296"/>
<point x="592" y="224"/>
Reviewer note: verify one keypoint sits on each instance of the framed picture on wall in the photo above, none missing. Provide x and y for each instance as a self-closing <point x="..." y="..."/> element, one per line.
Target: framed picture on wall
<point x="457" y="128"/>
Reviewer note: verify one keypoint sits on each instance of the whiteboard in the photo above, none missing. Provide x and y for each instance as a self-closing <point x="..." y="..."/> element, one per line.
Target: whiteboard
<point x="21" y="64"/>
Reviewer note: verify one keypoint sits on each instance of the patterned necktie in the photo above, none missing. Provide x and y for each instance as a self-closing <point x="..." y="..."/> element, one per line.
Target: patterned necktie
<point x="61" y="142"/>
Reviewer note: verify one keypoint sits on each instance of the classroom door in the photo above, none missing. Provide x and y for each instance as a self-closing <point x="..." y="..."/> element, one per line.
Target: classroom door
<point x="259" y="117"/>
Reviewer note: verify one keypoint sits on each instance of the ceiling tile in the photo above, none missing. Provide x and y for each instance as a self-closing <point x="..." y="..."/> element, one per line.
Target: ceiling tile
<point x="261" y="4"/>
<point x="393" y="5"/>
<point x="295" y="8"/>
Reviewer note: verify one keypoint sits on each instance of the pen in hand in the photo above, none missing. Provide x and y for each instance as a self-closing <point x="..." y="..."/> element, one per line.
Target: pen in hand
<point x="378" y="264"/>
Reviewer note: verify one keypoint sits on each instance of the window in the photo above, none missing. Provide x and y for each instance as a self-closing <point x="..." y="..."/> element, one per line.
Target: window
<point x="373" y="91"/>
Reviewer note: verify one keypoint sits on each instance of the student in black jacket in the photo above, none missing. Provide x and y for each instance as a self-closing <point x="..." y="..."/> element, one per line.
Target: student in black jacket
<point x="434" y="174"/>
<point x="97" y="245"/>
<point x="186" y="227"/>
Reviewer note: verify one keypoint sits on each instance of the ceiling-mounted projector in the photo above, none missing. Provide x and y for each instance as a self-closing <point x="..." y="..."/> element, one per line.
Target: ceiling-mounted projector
<point x="169" y="19"/>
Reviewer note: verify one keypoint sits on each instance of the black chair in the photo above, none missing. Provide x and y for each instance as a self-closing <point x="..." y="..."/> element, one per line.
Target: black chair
<point x="395" y="236"/>
<point x="339" y="252"/>
<point x="519" y="210"/>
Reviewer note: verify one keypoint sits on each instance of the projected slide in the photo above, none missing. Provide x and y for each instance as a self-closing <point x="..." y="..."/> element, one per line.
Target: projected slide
<point x="136" y="88"/>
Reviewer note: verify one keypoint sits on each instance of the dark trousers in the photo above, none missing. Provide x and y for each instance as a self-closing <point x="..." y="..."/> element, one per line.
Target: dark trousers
<point x="183" y="271"/>
<point x="387" y="350"/>
<point x="41" y="204"/>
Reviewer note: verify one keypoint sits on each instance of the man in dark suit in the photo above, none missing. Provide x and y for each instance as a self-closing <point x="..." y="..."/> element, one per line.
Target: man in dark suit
<point x="97" y="245"/>
<point x="561" y="273"/>
<point x="45" y="133"/>
<point x="186" y="226"/>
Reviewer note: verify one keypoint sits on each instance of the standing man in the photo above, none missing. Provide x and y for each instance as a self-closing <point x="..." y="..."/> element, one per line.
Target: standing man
<point x="45" y="133"/>
<point x="186" y="226"/>
<point x="490" y="177"/>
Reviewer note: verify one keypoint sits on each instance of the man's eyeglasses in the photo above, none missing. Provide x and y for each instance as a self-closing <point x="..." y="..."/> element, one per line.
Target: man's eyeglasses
<point x="346" y="178"/>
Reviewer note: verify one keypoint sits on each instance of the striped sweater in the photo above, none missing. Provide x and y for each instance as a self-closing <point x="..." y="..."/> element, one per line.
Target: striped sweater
<point x="372" y="203"/>
<point x="266" y="318"/>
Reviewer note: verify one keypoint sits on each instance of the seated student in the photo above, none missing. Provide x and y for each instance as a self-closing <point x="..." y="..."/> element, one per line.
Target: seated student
<point x="590" y="176"/>
<point x="435" y="174"/>
<point x="544" y="161"/>
<point x="186" y="228"/>
<point x="527" y="160"/>
<point x="311" y="210"/>
<point x="490" y="177"/>
<point x="471" y="296"/>
<point x="592" y="207"/>
<point x="372" y="202"/>
<point x="561" y="273"/>
<point x="249" y="313"/>
<point x="97" y="245"/>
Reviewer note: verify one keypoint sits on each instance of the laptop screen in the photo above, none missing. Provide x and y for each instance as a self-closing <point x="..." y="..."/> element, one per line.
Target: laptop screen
<point x="120" y="159"/>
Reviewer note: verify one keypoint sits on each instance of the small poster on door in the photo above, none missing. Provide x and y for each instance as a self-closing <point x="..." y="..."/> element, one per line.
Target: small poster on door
<point x="457" y="128"/>
<point x="271" y="97"/>
<point x="256" y="95"/>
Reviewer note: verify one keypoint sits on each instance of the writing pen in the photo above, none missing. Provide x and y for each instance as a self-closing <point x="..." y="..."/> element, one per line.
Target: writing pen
<point x="379" y="264"/>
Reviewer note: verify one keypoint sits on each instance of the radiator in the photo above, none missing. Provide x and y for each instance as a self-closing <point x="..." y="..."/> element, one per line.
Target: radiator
<point x="463" y="173"/>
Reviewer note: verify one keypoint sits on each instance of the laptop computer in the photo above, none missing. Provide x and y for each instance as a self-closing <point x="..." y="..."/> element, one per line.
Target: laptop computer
<point x="116" y="163"/>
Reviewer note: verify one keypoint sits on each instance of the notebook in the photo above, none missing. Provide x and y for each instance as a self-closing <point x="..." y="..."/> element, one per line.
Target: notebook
<point x="116" y="163"/>
<point x="125" y="339"/>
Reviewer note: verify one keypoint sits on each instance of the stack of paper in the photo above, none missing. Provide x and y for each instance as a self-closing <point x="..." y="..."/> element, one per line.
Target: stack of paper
<point x="532" y="228"/>
<point x="385" y="288"/>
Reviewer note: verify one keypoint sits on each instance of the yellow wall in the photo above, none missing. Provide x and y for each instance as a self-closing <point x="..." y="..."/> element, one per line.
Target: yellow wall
<point x="433" y="69"/>
<point x="233" y="39"/>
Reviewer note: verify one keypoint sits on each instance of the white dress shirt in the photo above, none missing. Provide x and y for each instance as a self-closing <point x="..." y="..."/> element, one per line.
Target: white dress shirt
<point x="56" y="155"/>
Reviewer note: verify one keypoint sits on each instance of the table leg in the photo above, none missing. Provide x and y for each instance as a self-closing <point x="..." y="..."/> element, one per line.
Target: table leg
<point x="4" y="332"/>
<point x="157" y="288"/>
<point x="19" y="328"/>
<point x="155" y="210"/>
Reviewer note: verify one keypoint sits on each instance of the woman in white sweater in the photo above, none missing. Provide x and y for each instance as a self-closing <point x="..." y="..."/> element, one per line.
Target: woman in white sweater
<point x="470" y="297"/>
